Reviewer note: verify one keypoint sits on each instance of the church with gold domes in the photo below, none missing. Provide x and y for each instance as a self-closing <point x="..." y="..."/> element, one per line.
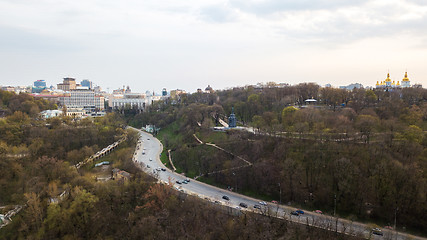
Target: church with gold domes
<point x="388" y="84"/>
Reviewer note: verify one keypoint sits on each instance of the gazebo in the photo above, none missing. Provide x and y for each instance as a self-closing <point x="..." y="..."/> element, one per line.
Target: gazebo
<point x="310" y="101"/>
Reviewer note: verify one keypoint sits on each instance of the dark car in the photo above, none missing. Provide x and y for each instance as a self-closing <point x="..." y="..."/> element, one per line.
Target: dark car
<point x="257" y="206"/>
<point x="294" y="213"/>
<point x="179" y="182"/>
<point x="243" y="205"/>
<point x="163" y="169"/>
<point x="225" y="197"/>
<point x="299" y="211"/>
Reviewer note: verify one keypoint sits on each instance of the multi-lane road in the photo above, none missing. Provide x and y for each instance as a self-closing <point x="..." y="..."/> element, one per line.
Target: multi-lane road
<point x="147" y="156"/>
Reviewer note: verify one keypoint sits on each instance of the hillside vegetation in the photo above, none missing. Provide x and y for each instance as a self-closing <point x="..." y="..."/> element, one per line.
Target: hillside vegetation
<point x="36" y="167"/>
<point x="366" y="149"/>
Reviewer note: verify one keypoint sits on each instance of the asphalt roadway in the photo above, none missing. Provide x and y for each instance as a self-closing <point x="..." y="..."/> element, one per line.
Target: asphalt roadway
<point x="147" y="156"/>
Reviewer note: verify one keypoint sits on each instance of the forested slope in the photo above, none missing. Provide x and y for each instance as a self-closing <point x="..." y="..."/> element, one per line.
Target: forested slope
<point x="366" y="149"/>
<point x="36" y="159"/>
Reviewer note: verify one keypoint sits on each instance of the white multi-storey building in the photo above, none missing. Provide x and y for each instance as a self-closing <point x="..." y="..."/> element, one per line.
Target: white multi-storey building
<point x="131" y="100"/>
<point x="86" y="99"/>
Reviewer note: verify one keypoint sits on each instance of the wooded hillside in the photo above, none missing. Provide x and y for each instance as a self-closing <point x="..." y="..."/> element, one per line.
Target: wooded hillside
<point x="364" y="148"/>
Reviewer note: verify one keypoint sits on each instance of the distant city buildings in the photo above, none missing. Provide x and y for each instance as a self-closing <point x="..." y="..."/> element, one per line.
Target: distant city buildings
<point x="352" y="86"/>
<point x="85" y="99"/>
<point x="175" y="94"/>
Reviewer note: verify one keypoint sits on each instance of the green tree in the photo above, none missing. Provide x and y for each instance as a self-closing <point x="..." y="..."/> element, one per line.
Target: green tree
<point x="288" y="114"/>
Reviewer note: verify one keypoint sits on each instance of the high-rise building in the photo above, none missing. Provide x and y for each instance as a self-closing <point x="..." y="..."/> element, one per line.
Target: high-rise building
<point x="86" y="83"/>
<point x="40" y="83"/>
<point x="39" y="86"/>
<point x="68" y="84"/>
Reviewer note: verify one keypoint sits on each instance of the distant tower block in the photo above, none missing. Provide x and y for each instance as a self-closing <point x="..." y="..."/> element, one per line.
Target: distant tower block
<point x="164" y="92"/>
<point x="232" y="119"/>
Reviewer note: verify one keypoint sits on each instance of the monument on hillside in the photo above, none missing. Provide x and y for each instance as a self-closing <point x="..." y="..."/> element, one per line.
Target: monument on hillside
<point x="232" y="119"/>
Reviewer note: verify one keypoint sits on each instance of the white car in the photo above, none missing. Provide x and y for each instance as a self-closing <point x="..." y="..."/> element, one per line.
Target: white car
<point x="263" y="203"/>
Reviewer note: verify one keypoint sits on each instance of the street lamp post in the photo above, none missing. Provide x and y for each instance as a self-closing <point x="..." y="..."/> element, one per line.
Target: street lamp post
<point x="335" y="204"/>
<point x="395" y="219"/>
<point x="235" y="181"/>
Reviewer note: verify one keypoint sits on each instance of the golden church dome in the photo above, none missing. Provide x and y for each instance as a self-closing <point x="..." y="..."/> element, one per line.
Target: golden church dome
<point x="388" y="78"/>
<point x="405" y="79"/>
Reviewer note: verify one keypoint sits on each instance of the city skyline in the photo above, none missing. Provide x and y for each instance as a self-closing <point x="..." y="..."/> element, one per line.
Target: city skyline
<point x="192" y="44"/>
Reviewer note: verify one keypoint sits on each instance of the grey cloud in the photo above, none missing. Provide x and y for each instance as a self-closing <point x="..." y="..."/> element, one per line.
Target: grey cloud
<point x="273" y="6"/>
<point x="23" y="40"/>
<point x="217" y="14"/>
<point x="418" y="2"/>
<point x="342" y="30"/>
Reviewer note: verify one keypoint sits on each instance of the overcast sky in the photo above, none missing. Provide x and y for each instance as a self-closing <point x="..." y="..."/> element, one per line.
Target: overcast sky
<point x="189" y="44"/>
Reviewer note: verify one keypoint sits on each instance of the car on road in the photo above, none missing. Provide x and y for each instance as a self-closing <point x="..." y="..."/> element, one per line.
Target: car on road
<point x="225" y="197"/>
<point x="263" y="203"/>
<point x="244" y="205"/>
<point x="299" y="211"/>
<point x="151" y="159"/>
<point x="148" y="166"/>
<point x="217" y="202"/>
<point x="274" y="201"/>
<point x="257" y="206"/>
<point x="177" y="181"/>
<point x="294" y="213"/>
<point x="238" y="208"/>
<point x="377" y="231"/>
<point x="163" y="169"/>
<point x="184" y="182"/>
<point x="318" y="211"/>
<point x="187" y="179"/>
